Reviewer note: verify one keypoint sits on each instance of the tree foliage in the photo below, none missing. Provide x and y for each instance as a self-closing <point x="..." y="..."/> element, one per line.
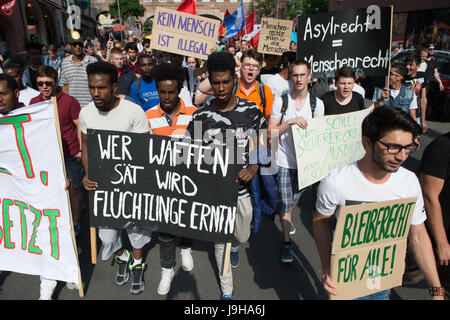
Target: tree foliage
<point x="128" y="8"/>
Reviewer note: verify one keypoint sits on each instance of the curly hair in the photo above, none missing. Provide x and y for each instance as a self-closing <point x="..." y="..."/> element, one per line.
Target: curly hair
<point x="103" y="68"/>
<point x="221" y="62"/>
<point x="169" y="71"/>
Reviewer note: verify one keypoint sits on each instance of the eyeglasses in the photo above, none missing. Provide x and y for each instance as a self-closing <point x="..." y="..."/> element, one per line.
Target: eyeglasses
<point x="395" y="148"/>
<point x="430" y="49"/>
<point x="248" y="65"/>
<point x="47" y="83"/>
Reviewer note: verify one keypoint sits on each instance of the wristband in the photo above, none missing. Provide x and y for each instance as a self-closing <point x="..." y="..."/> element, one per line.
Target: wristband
<point x="436" y="291"/>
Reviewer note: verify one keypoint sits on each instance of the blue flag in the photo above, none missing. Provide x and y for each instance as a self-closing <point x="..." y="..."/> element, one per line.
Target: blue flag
<point x="234" y="22"/>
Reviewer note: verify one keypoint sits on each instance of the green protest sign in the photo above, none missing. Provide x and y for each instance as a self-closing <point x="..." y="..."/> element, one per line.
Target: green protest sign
<point x="327" y="143"/>
<point x="369" y="247"/>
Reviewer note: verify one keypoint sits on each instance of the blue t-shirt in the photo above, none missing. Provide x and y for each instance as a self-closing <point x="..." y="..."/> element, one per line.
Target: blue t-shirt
<point x="147" y="94"/>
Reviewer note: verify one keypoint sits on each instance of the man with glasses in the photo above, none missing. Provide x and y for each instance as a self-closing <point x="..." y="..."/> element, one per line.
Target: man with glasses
<point x="388" y="136"/>
<point x="298" y="110"/>
<point x="249" y="88"/>
<point x="73" y="73"/>
<point x="397" y="95"/>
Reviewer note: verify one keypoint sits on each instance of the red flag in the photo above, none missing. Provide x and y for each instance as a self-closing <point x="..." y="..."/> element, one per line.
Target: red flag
<point x="222" y="29"/>
<point x="187" y="6"/>
<point x="249" y="24"/>
<point x="254" y="41"/>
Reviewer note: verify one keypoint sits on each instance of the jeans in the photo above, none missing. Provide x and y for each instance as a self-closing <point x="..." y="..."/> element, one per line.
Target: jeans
<point x="167" y="249"/>
<point x="382" y="295"/>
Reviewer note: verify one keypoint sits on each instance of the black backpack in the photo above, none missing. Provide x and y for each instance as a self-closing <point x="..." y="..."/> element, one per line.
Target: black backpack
<point x="284" y="97"/>
<point x="261" y="93"/>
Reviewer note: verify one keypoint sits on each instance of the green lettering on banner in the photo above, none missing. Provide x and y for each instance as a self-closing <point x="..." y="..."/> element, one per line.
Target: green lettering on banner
<point x="7" y="224"/>
<point x="16" y="122"/>
<point x="346" y="233"/>
<point x="32" y="248"/>
<point x="52" y="214"/>
<point x="23" y="222"/>
<point x="404" y="219"/>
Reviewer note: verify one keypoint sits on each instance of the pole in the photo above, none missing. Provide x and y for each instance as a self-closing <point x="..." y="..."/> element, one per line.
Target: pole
<point x="120" y="20"/>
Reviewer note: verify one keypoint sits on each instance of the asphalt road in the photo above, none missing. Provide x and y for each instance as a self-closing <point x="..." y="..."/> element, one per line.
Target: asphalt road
<point x="259" y="276"/>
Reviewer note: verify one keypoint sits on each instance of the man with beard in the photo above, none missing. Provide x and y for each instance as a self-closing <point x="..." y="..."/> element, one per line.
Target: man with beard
<point x="108" y="112"/>
<point x="388" y="136"/>
<point x="73" y="73"/>
<point x="170" y="118"/>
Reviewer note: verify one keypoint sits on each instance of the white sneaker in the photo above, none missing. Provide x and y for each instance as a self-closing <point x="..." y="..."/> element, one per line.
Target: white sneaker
<point x="166" y="279"/>
<point x="187" y="263"/>
<point x="47" y="288"/>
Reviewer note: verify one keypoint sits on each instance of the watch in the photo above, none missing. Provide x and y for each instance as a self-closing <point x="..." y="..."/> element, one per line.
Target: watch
<point x="436" y="291"/>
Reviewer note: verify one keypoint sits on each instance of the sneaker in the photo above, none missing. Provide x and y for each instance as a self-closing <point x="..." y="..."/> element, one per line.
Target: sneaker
<point x="234" y="257"/>
<point x="187" y="263"/>
<point x="286" y="254"/>
<point x="47" y="288"/>
<point x="137" y="278"/>
<point x="166" y="279"/>
<point x="227" y="296"/>
<point x="292" y="229"/>
<point x="123" y="274"/>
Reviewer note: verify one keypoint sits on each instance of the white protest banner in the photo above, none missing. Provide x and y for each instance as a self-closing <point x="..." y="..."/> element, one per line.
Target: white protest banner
<point x="36" y="233"/>
<point x="184" y="33"/>
<point x="327" y="143"/>
<point x="369" y="247"/>
<point x="275" y="36"/>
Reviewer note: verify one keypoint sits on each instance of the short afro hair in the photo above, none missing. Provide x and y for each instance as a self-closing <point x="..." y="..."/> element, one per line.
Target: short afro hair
<point x="103" y="68"/>
<point x="10" y="81"/>
<point x="221" y="62"/>
<point x="169" y="71"/>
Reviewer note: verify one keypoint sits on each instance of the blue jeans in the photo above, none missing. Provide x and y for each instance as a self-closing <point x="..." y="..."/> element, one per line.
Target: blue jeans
<point x="382" y="295"/>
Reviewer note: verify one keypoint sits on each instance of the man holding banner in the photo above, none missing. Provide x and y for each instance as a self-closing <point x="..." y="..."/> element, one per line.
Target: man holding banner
<point x="388" y="136"/>
<point x="295" y="107"/>
<point x="107" y="112"/>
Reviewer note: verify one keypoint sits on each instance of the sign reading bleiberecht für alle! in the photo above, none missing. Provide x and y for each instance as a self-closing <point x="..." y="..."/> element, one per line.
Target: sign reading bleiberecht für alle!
<point x="167" y="185"/>
<point x="358" y="38"/>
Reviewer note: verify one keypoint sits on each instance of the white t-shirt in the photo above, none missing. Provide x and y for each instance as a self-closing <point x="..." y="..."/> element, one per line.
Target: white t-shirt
<point x="278" y="85"/>
<point x="286" y="157"/>
<point x="27" y="94"/>
<point x="126" y="117"/>
<point x="347" y="186"/>
<point x="423" y="67"/>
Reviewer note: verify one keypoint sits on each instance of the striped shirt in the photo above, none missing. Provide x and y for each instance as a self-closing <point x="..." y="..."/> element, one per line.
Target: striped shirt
<point x="75" y="76"/>
<point x="162" y="125"/>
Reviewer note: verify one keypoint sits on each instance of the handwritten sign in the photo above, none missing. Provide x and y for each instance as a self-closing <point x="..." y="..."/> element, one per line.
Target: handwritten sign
<point x="184" y="33"/>
<point x="358" y="38"/>
<point x="275" y="36"/>
<point x="369" y="247"/>
<point x="327" y="143"/>
<point x="168" y="185"/>
<point x="36" y="226"/>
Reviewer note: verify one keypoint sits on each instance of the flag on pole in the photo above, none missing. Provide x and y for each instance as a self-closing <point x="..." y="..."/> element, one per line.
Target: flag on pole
<point x="249" y="24"/>
<point x="187" y="6"/>
<point x="235" y="22"/>
<point x="223" y="29"/>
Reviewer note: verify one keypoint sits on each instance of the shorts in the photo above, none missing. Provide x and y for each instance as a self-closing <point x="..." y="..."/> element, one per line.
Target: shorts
<point x="288" y="189"/>
<point x="74" y="171"/>
<point x="112" y="239"/>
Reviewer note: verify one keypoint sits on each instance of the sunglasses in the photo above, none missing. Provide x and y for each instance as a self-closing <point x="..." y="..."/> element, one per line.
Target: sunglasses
<point x="77" y="44"/>
<point x="47" y="83"/>
<point x="430" y="49"/>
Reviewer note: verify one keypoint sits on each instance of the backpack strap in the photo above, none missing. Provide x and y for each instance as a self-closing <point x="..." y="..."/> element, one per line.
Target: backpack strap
<point x="284" y="106"/>
<point x="312" y="103"/>
<point x="262" y="95"/>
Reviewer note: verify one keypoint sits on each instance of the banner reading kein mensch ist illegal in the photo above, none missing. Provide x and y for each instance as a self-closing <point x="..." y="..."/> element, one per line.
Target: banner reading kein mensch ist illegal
<point x="168" y="185"/>
<point x="184" y="33"/>
<point x="358" y="38"/>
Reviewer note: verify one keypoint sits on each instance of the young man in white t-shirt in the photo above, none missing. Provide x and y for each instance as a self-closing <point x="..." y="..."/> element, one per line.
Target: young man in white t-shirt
<point x="298" y="112"/>
<point x="388" y="136"/>
<point x="108" y="112"/>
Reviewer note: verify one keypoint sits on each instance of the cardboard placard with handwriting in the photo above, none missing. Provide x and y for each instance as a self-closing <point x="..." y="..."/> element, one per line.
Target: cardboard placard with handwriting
<point x="275" y="36"/>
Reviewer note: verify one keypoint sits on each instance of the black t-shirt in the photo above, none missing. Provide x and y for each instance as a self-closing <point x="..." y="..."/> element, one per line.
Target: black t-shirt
<point x="235" y="126"/>
<point x="431" y="65"/>
<point x="436" y="162"/>
<point x="333" y="107"/>
<point x="422" y="79"/>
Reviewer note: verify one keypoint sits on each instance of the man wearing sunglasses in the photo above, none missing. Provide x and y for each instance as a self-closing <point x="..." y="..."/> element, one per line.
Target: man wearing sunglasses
<point x="397" y="95"/>
<point x="73" y="73"/>
<point x="432" y="70"/>
<point x="388" y="136"/>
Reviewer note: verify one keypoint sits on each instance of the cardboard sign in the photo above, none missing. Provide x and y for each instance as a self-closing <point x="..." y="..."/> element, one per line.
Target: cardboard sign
<point x="183" y="33"/>
<point x="358" y="38"/>
<point x="275" y="36"/>
<point x="167" y="185"/>
<point x="327" y="143"/>
<point x="36" y="233"/>
<point x="369" y="247"/>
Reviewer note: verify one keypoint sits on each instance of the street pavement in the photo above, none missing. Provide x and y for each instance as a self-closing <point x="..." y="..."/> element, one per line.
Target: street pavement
<point x="260" y="274"/>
